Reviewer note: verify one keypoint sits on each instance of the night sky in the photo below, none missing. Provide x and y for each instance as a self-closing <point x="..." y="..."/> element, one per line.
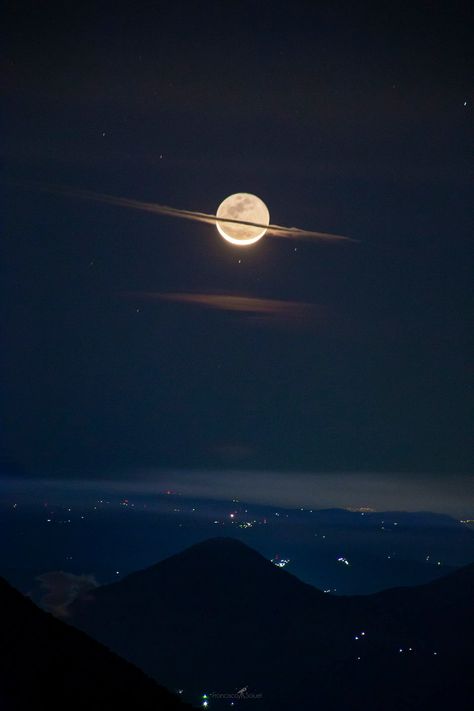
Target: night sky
<point x="122" y="351"/>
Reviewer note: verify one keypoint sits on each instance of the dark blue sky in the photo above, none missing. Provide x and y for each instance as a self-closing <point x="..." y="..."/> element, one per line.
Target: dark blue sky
<point x="347" y="121"/>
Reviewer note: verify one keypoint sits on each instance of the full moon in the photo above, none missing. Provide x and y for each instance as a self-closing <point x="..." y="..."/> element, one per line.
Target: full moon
<point x="246" y="207"/>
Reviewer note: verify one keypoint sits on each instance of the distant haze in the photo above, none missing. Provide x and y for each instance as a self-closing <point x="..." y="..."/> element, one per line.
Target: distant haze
<point x="383" y="492"/>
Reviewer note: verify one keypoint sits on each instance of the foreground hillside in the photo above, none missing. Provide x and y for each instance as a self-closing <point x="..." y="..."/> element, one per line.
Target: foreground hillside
<point x="46" y="664"/>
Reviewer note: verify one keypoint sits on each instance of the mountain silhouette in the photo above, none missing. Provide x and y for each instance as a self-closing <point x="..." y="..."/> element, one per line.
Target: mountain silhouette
<point x="47" y="664"/>
<point x="219" y="616"/>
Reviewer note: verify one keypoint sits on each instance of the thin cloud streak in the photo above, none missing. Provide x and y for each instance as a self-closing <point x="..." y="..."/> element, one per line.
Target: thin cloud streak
<point x="157" y="209"/>
<point x="243" y="304"/>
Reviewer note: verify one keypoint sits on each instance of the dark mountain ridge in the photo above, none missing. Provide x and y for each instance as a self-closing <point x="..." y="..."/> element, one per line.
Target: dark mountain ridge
<point x="219" y="616"/>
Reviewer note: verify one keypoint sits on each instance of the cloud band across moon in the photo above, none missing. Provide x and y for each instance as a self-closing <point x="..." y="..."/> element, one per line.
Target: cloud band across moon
<point x="165" y="210"/>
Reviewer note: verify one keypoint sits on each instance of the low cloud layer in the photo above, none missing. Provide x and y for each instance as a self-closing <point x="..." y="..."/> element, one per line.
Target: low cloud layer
<point x="383" y="491"/>
<point x="61" y="589"/>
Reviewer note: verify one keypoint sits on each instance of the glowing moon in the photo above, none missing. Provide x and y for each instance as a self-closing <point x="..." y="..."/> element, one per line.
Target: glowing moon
<point x="246" y="207"/>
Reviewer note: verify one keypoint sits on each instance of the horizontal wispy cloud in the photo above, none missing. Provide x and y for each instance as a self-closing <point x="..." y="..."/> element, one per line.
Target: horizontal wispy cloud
<point x="261" y="310"/>
<point x="229" y="302"/>
<point x="165" y="210"/>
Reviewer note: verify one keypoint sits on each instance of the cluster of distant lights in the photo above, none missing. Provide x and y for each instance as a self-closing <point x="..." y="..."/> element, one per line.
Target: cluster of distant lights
<point x="234" y="518"/>
<point x="204" y="698"/>
<point x="400" y="650"/>
<point x="382" y="526"/>
<point x="280" y="562"/>
<point x="403" y="650"/>
<point x="360" y="636"/>
<point x="357" y="637"/>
